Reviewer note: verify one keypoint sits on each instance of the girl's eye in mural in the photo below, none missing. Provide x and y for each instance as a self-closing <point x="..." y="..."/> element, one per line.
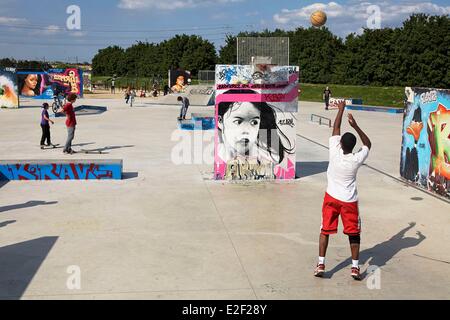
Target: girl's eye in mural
<point x="254" y="122"/>
<point x="237" y="122"/>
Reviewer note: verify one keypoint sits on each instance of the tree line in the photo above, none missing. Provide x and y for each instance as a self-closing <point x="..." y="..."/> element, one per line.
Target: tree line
<point x="415" y="54"/>
<point x="35" y="64"/>
<point x="24" y="64"/>
<point x="149" y="59"/>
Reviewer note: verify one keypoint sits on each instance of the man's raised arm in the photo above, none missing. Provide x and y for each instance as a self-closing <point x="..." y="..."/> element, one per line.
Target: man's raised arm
<point x="338" y="120"/>
<point x="364" y="138"/>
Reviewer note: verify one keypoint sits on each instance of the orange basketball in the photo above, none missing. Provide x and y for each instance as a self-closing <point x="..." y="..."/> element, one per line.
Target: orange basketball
<point x="318" y="18"/>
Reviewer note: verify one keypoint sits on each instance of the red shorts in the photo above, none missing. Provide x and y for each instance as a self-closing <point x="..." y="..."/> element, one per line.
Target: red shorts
<point x="348" y="211"/>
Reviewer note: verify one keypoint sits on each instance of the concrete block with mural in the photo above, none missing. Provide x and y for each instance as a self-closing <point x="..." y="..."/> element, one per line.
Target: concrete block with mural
<point x="426" y="139"/>
<point x="255" y="122"/>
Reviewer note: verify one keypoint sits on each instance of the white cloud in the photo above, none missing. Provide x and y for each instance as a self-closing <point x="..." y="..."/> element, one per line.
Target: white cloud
<point x="168" y="5"/>
<point x="49" y="30"/>
<point x="12" y="21"/>
<point x="352" y="16"/>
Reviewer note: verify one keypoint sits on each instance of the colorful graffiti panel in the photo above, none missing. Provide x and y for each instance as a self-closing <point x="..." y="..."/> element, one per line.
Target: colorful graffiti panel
<point x="8" y="88"/>
<point x="426" y="139"/>
<point x="255" y="130"/>
<point x="60" y="171"/>
<point x="45" y="84"/>
<point x="178" y="80"/>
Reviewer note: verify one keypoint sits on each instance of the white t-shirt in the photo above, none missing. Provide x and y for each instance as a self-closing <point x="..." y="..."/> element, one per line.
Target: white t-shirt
<point x="342" y="171"/>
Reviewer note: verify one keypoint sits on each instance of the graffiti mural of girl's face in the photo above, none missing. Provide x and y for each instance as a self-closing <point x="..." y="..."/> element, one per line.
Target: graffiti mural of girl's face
<point x="240" y="127"/>
<point x="30" y="84"/>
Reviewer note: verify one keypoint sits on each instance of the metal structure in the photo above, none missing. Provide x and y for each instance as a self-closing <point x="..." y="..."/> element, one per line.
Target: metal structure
<point x="206" y="77"/>
<point x="274" y="49"/>
<point x="321" y="119"/>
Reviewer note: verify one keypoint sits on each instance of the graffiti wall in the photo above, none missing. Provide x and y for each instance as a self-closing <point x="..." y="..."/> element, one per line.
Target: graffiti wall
<point x="255" y="130"/>
<point x="178" y="80"/>
<point x="87" y="80"/>
<point x="8" y="88"/>
<point x="44" y="84"/>
<point x="60" y="171"/>
<point x="425" y="157"/>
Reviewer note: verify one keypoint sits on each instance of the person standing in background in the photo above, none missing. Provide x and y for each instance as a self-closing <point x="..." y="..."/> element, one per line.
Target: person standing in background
<point x="113" y="85"/>
<point x="71" y="122"/>
<point x="326" y="97"/>
<point x="45" y="125"/>
<point x="132" y="96"/>
<point x="184" y="107"/>
<point x="127" y="94"/>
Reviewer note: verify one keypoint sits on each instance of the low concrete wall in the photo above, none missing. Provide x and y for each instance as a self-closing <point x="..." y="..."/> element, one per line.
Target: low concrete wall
<point x="69" y="169"/>
<point x="374" y="109"/>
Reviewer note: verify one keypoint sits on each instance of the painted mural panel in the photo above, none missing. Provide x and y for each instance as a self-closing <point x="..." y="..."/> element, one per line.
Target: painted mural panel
<point x="256" y="109"/>
<point x="44" y="84"/>
<point x="178" y="80"/>
<point x="60" y="171"/>
<point x="426" y="139"/>
<point x="8" y="88"/>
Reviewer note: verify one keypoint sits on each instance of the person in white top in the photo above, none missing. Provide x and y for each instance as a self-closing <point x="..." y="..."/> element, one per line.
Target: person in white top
<point x="341" y="198"/>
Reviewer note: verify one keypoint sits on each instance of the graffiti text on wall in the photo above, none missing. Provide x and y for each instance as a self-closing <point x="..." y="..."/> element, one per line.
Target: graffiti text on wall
<point x="59" y="172"/>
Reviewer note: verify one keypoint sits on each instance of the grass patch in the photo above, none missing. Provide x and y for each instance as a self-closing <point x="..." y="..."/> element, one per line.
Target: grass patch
<point x="375" y="96"/>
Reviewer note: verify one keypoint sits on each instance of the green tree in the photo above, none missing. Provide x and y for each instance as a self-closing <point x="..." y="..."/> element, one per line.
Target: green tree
<point x="109" y="61"/>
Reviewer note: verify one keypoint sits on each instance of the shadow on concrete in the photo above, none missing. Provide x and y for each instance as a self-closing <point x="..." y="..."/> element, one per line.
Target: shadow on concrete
<point x="20" y="263"/>
<point x="129" y="175"/>
<point x="3" y="182"/>
<point x="5" y="223"/>
<point x="310" y="168"/>
<point x="28" y="204"/>
<point x="102" y="150"/>
<point x="82" y="144"/>
<point x="382" y="253"/>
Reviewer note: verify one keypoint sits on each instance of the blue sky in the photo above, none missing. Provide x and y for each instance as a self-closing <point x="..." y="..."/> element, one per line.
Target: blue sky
<point x="31" y="29"/>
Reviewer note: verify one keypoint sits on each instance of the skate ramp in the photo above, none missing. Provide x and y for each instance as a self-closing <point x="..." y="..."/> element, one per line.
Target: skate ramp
<point x="198" y="96"/>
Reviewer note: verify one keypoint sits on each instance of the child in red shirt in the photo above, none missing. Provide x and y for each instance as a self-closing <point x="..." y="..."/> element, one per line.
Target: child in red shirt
<point x="71" y="122"/>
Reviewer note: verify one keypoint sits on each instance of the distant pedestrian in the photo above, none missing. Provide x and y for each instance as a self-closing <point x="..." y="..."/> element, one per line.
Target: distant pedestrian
<point x="71" y="122"/>
<point x="326" y="97"/>
<point x="113" y="86"/>
<point x="166" y="90"/>
<point x="132" y="96"/>
<point x="45" y="125"/>
<point x="127" y="94"/>
<point x="184" y="107"/>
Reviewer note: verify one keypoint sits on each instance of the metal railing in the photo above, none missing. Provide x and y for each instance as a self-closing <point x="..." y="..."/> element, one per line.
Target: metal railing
<point x="321" y="119"/>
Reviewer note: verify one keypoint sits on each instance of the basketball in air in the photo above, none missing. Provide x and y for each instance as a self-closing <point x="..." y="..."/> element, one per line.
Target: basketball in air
<point x="318" y="18"/>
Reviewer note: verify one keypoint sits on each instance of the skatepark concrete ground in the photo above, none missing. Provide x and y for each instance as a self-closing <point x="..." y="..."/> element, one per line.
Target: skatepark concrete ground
<point x="169" y="231"/>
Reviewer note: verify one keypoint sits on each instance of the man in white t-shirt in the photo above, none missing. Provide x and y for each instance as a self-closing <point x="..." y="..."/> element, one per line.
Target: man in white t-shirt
<point x="341" y="198"/>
